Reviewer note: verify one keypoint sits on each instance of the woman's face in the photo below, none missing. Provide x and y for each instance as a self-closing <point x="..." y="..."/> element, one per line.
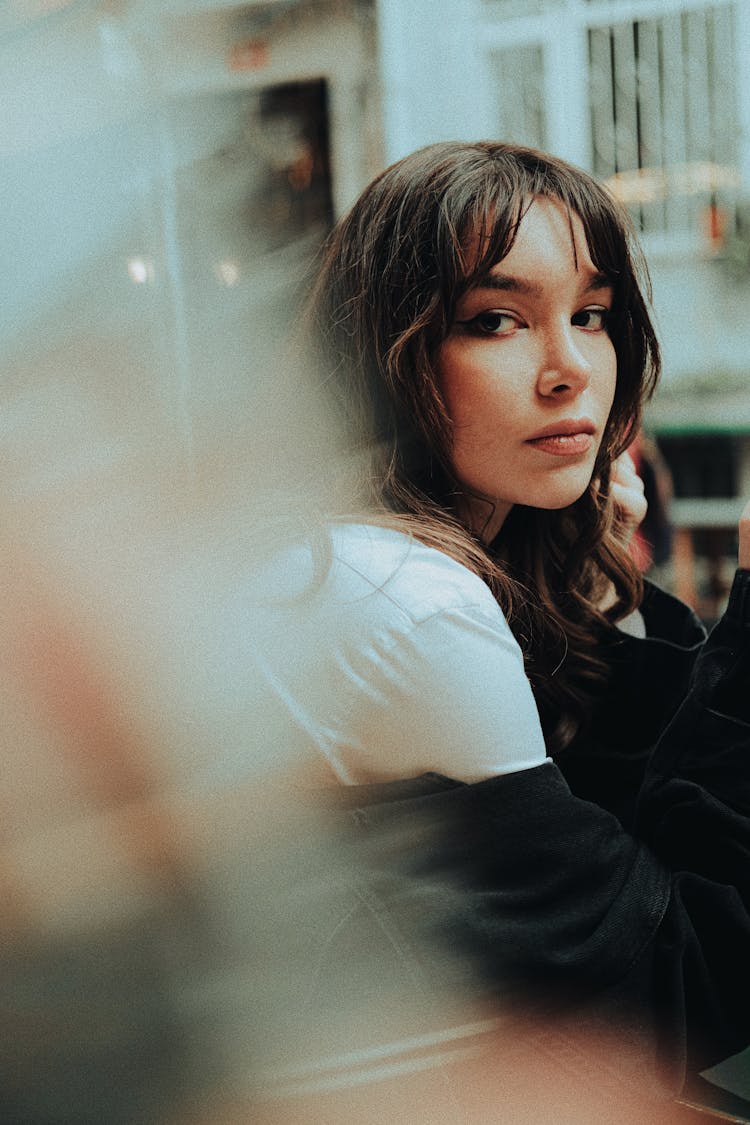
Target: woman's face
<point x="528" y="372"/>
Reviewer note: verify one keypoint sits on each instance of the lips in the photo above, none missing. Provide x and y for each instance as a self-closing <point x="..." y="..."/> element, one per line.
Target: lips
<point x="567" y="438"/>
<point x="565" y="427"/>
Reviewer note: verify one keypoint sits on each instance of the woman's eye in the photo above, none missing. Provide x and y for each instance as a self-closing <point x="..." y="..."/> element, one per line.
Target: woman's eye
<point x="492" y="323"/>
<point x="594" y="320"/>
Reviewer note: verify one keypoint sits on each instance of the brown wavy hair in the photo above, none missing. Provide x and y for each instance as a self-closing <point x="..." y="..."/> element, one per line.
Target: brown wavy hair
<point x="393" y="269"/>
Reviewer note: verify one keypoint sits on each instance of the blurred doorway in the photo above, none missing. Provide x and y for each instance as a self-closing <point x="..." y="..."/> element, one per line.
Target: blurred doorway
<point x="296" y="200"/>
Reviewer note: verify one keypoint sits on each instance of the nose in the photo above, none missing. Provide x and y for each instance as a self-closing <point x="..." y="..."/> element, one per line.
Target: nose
<point x="564" y="370"/>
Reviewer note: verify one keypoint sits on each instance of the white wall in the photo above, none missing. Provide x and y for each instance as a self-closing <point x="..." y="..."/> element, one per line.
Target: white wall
<point x="75" y="148"/>
<point x="428" y="62"/>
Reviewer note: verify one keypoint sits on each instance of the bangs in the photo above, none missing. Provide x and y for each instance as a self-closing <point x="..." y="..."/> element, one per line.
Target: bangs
<point x="491" y="220"/>
<point x="488" y="236"/>
<point x="607" y="228"/>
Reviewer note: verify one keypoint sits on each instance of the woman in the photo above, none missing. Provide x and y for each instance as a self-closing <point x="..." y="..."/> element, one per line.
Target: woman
<point x="480" y="321"/>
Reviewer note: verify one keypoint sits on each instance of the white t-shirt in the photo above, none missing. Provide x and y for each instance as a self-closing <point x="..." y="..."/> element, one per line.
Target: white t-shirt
<point x="399" y="662"/>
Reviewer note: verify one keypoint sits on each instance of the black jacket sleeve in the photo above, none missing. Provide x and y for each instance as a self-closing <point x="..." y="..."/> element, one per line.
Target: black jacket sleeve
<point x="560" y="907"/>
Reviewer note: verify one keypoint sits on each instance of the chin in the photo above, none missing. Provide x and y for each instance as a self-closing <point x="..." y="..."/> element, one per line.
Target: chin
<point x="557" y="499"/>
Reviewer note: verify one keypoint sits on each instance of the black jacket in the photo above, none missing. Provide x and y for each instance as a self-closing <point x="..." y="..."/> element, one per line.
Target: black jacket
<point x="649" y="677"/>
<point x="618" y="898"/>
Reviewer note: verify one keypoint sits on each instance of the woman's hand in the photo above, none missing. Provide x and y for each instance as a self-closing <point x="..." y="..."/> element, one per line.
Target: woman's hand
<point x="627" y="492"/>
<point x="744" y="552"/>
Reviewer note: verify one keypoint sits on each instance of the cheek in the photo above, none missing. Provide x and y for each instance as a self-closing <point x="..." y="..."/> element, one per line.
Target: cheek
<point x="606" y="384"/>
<point x="607" y="394"/>
<point x="611" y="389"/>
<point x="473" y="388"/>
<point x="451" y="377"/>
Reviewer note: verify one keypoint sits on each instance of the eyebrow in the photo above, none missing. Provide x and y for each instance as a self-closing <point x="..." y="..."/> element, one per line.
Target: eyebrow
<point x="505" y="283"/>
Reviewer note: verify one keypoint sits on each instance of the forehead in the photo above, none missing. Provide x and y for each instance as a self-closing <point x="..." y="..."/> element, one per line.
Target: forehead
<point x="535" y="229"/>
<point x="550" y="235"/>
<point x="550" y="249"/>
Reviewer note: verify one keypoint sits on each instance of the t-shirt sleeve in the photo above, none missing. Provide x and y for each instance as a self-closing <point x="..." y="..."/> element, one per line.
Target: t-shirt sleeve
<point x="448" y="695"/>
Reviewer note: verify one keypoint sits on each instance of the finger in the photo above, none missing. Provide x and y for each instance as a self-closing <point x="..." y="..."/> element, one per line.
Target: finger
<point x="630" y="502"/>
<point x="626" y="473"/>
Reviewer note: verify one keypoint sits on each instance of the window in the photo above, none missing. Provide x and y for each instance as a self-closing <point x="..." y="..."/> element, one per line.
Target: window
<point x="664" y="117"/>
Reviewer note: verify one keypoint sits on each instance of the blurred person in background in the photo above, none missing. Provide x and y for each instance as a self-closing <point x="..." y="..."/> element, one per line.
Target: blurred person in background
<point x="651" y="544"/>
<point x="541" y="761"/>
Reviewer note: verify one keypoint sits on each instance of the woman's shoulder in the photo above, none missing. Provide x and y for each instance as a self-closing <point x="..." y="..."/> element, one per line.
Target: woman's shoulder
<point x="394" y="659"/>
<point x="392" y="566"/>
<point x="364" y="587"/>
